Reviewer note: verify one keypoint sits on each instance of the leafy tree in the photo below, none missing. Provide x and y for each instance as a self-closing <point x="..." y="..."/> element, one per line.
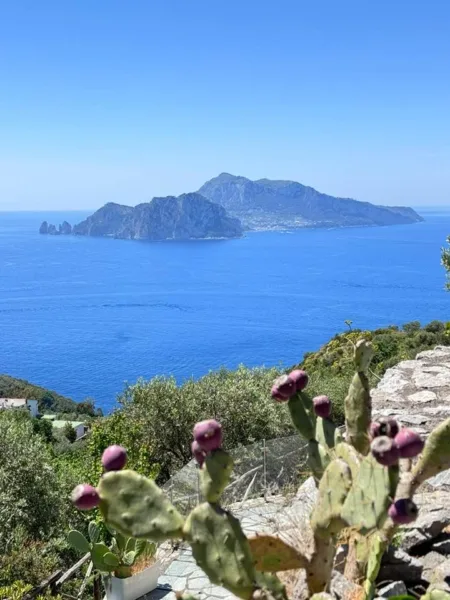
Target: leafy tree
<point x="29" y="492"/>
<point x="43" y="427"/>
<point x="411" y="327"/>
<point x="158" y="416"/>
<point x="70" y="432"/>
<point x="435" y="327"/>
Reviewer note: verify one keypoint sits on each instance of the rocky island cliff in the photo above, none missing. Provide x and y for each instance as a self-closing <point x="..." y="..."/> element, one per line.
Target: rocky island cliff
<point x="273" y="204"/>
<point x="189" y="216"/>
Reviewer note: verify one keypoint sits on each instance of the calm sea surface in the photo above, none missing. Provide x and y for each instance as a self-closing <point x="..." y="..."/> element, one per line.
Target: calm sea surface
<point x="84" y="315"/>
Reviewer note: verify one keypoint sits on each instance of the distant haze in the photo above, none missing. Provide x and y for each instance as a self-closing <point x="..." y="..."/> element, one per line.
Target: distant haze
<point x="101" y="102"/>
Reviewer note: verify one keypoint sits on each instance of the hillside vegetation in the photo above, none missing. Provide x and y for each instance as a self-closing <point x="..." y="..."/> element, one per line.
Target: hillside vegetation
<point x="48" y="400"/>
<point x="331" y="367"/>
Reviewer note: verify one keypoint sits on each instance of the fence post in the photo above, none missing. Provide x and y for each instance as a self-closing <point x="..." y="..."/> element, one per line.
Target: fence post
<point x="264" y="467"/>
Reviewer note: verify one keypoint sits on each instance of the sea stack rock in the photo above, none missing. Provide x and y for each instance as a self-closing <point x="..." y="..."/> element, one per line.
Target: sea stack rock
<point x="65" y="228"/>
<point x="44" y="228"/>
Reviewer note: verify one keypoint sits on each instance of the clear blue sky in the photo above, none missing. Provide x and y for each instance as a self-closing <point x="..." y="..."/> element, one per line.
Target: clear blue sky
<point x="110" y="100"/>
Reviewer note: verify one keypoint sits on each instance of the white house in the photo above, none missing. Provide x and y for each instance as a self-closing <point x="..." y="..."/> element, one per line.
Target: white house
<point x="31" y="405"/>
<point x="79" y="426"/>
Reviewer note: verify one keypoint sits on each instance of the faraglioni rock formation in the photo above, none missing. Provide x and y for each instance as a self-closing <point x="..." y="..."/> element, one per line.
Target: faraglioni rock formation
<point x="266" y="204"/>
<point x="189" y="216"/>
<point x="64" y="228"/>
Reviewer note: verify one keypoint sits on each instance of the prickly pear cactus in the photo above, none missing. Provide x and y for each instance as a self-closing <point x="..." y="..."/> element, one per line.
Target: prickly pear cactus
<point x="221" y="549"/>
<point x="365" y="488"/>
<point x="137" y="508"/>
<point x="302" y="414"/>
<point x="358" y="405"/>
<point x="367" y="503"/>
<point x="215" y="474"/>
<point x="333" y="490"/>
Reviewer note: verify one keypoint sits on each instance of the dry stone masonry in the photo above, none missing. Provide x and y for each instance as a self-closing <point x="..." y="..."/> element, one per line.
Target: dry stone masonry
<point x="417" y="393"/>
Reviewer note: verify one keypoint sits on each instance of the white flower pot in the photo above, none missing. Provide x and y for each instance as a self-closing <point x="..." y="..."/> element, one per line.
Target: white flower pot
<point x="133" y="587"/>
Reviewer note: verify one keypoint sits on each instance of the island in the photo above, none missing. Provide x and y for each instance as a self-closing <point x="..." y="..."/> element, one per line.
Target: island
<point x="64" y="229"/>
<point x="227" y="205"/>
<point x="278" y="204"/>
<point x="186" y="217"/>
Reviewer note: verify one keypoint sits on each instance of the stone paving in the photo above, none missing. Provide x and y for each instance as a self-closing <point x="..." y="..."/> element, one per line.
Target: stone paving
<point x="276" y="514"/>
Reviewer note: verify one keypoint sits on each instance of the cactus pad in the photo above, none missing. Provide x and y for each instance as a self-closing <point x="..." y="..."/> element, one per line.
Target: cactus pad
<point x="136" y="507"/>
<point x="272" y="554"/>
<point x="221" y="549"/>
<point x="98" y="553"/>
<point x="368" y="500"/>
<point x="327" y="433"/>
<point x="333" y="489"/>
<point x="376" y="551"/>
<point x="348" y="454"/>
<point x="435" y="456"/>
<point x="215" y="474"/>
<point x="318" y="458"/>
<point x="93" y="531"/>
<point x="302" y="415"/>
<point x="358" y="405"/>
<point x="78" y="542"/>
<point x="363" y="355"/>
<point x="320" y="568"/>
<point x="358" y="413"/>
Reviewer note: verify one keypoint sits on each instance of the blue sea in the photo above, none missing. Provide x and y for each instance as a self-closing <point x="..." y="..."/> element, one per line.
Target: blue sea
<point x="83" y="316"/>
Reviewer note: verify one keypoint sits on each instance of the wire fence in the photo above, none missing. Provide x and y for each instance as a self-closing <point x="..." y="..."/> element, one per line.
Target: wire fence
<point x="265" y="468"/>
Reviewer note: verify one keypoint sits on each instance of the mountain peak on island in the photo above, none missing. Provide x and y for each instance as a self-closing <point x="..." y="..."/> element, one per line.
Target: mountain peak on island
<point x="273" y="204"/>
<point x="189" y="216"/>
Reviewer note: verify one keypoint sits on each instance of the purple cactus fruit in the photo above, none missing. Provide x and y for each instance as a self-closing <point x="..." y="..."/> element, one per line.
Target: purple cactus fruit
<point x="300" y="379"/>
<point x="403" y="511"/>
<point x="393" y="426"/>
<point x="277" y="396"/>
<point x="384" y="450"/>
<point x="198" y="453"/>
<point x="208" y="435"/>
<point x="384" y="426"/>
<point x="85" y="497"/>
<point x="375" y="430"/>
<point x="283" y="388"/>
<point x="114" y="458"/>
<point x="409" y="443"/>
<point x="322" y="406"/>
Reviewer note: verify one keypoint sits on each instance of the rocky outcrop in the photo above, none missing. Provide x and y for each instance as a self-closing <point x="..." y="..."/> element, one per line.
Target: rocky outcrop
<point x="266" y="204"/>
<point x="189" y="216"/>
<point x="64" y="228"/>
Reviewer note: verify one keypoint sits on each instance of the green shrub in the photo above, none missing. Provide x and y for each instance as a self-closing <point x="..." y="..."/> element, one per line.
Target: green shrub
<point x="435" y="327"/>
<point x="29" y="491"/>
<point x="412" y="327"/>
